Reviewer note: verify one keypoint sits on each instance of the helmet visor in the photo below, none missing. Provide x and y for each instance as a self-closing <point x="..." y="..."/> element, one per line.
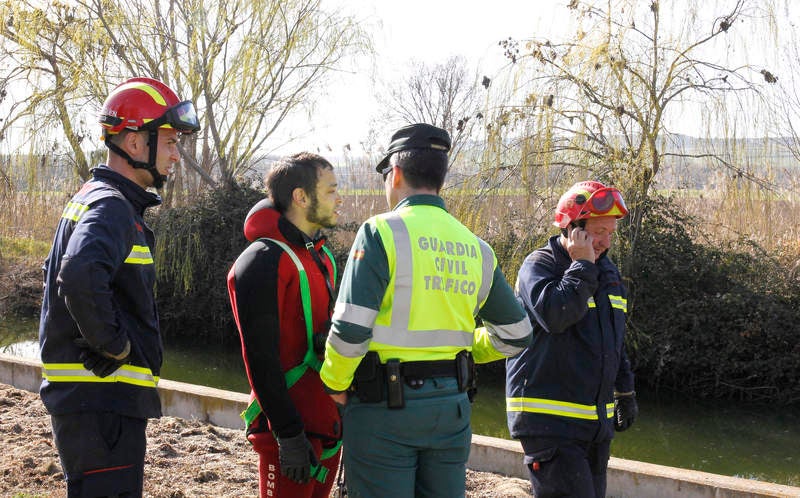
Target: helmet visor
<point x="182" y="117"/>
<point x="605" y="200"/>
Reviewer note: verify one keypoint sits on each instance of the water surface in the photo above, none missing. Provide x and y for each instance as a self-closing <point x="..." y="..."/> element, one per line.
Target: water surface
<point x="756" y="442"/>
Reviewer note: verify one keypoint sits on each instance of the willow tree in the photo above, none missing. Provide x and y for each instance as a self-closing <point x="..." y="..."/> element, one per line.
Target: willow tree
<point x="48" y="52"/>
<point x="787" y="100"/>
<point x="247" y="65"/>
<point x="606" y="103"/>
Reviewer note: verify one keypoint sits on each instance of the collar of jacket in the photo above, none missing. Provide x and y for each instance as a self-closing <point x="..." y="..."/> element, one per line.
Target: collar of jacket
<point x="421" y="199"/>
<point x="295" y="236"/>
<point x="139" y="197"/>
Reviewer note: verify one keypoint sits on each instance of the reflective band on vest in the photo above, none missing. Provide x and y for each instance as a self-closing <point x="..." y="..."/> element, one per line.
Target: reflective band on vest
<point x="75" y="372"/>
<point x="557" y="408"/>
<point x="74" y="210"/>
<point x="462" y="275"/>
<point x="140" y="255"/>
<point x="618" y="302"/>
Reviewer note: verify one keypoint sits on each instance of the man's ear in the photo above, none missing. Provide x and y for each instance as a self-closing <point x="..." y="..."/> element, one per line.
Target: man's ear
<point x="133" y="143"/>
<point x="397" y="175"/>
<point x="299" y="197"/>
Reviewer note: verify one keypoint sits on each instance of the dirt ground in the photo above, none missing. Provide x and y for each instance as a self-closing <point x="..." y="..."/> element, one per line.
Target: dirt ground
<point x="184" y="459"/>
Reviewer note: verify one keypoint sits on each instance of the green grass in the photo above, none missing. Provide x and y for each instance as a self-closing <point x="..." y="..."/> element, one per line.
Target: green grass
<point x="24" y="248"/>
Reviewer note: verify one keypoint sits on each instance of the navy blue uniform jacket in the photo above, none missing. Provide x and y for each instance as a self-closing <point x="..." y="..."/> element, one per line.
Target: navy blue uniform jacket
<point x="577" y="355"/>
<point x="99" y="280"/>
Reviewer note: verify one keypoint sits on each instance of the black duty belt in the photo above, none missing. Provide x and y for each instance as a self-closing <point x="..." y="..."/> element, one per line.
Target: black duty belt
<point x="427" y="369"/>
<point x="375" y="381"/>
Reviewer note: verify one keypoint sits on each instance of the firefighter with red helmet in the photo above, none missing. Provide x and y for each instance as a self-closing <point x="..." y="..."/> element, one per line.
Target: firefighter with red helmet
<point x="99" y="334"/>
<point x="572" y="387"/>
<point x="281" y="291"/>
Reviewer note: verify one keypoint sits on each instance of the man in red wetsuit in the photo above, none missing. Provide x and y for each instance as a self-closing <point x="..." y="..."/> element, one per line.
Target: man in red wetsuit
<point x="281" y="290"/>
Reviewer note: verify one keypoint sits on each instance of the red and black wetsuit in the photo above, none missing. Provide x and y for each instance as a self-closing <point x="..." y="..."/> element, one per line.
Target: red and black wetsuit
<point x="265" y="296"/>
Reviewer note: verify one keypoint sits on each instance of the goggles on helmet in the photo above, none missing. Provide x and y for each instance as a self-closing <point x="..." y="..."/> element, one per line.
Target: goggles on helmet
<point x="602" y="202"/>
<point x="181" y="117"/>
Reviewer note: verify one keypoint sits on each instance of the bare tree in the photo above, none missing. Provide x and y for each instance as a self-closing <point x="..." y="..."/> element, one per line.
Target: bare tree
<point x="444" y="95"/>
<point x="602" y="104"/>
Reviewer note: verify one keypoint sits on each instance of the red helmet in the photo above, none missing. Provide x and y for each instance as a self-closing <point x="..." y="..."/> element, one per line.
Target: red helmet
<point x="146" y="104"/>
<point x="589" y="199"/>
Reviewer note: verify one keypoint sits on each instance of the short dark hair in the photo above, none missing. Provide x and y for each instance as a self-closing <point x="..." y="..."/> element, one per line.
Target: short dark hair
<point x="299" y="170"/>
<point x="422" y="168"/>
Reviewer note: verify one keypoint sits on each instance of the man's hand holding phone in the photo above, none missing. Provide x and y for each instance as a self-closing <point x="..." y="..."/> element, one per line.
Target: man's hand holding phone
<point x="579" y="245"/>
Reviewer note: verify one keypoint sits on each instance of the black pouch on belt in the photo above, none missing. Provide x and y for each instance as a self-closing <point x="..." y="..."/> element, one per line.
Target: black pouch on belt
<point x="394" y="385"/>
<point x="368" y="379"/>
<point x="467" y="375"/>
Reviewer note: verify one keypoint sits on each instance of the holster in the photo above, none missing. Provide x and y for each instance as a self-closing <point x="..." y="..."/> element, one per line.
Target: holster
<point x="369" y="380"/>
<point x="394" y="385"/>
<point x="467" y="374"/>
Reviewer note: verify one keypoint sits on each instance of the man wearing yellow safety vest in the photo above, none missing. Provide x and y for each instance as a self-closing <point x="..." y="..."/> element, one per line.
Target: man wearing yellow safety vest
<point x="281" y="291"/>
<point x="573" y="387"/>
<point x="99" y="333"/>
<point x="403" y="341"/>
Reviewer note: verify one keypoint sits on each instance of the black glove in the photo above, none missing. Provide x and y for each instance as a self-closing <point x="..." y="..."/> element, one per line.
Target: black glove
<point x="296" y="457"/>
<point x="100" y="364"/>
<point x="625" y="410"/>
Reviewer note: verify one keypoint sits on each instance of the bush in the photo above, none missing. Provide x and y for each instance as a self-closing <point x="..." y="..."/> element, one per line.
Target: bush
<point x="196" y="246"/>
<point x="706" y="319"/>
<point x="711" y="320"/>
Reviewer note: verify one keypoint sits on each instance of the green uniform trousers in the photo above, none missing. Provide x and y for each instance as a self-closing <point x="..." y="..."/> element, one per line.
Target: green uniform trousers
<point x="420" y="450"/>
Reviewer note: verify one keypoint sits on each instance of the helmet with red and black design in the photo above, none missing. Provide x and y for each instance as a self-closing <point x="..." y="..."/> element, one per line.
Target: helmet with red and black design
<point x="145" y="104"/>
<point x="589" y="199"/>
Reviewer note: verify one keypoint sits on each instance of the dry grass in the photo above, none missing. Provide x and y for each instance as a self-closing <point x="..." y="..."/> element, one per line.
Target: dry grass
<point x="28" y="218"/>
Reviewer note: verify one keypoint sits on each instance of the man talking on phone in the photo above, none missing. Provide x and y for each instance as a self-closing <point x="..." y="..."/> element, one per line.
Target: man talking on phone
<point x="572" y="387"/>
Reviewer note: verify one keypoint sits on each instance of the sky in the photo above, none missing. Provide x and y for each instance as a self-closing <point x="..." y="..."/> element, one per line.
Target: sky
<point x="429" y="31"/>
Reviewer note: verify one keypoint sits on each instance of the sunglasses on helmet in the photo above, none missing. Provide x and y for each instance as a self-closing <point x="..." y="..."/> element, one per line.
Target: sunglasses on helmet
<point x="602" y="201"/>
<point x="182" y="117"/>
<point x="385" y="172"/>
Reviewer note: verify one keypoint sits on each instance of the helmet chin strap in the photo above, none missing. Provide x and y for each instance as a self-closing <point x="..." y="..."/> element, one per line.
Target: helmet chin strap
<point x="150" y="166"/>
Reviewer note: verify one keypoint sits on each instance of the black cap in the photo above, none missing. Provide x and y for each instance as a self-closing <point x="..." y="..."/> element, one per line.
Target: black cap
<point x="416" y="136"/>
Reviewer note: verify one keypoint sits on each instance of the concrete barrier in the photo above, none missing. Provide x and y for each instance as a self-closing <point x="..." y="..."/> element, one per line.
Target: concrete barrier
<point x="626" y="478"/>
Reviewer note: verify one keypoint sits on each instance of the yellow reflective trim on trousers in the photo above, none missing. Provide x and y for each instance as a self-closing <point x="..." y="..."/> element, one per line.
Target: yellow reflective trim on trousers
<point x="74" y="210"/>
<point x="140" y="255"/>
<point x="75" y="372"/>
<point x="552" y="407"/>
<point x="610" y="410"/>
<point x="618" y="302"/>
<point x="591" y="303"/>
